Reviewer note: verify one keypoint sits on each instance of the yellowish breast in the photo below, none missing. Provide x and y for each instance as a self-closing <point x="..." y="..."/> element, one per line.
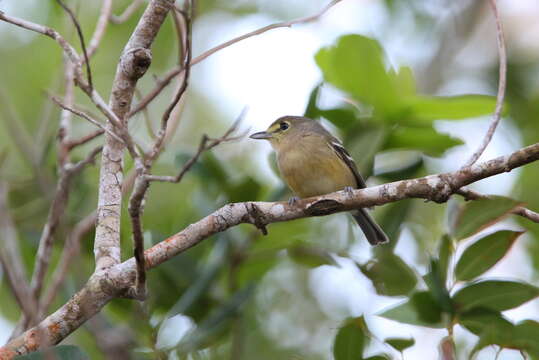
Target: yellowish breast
<point x="310" y="167"/>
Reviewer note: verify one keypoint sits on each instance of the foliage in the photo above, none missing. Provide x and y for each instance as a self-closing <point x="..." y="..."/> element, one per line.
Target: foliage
<point x="239" y="288"/>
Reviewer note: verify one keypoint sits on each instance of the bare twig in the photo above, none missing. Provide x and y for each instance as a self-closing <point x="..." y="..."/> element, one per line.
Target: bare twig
<point x="186" y="65"/>
<point x="84" y="139"/>
<point x="81" y="39"/>
<point x="101" y="26"/>
<point x="69" y="254"/>
<point x="86" y="117"/>
<point x="11" y="260"/>
<point x="162" y="83"/>
<point x="501" y="87"/>
<point x="205" y="144"/>
<point x="520" y="210"/>
<point x="53" y="219"/>
<point x="128" y="12"/>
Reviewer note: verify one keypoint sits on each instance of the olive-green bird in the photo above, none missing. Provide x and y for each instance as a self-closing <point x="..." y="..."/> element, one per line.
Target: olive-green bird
<point x="313" y="162"/>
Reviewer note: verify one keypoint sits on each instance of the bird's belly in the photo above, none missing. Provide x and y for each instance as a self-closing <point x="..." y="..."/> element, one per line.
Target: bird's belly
<point x="314" y="175"/>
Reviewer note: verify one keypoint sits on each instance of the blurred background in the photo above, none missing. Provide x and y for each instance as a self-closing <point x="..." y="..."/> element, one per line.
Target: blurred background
<point x="241" y="295"/>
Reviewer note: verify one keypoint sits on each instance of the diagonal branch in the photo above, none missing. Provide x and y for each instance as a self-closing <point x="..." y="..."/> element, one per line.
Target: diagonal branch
<point x="116" y="281"/>
<point x="128" y="12"/>
<point x="501" y="88"/>
<point x="178" y="70"/>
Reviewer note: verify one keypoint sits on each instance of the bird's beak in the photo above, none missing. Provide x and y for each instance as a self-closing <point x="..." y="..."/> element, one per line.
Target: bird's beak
<point x="261" y="135"/>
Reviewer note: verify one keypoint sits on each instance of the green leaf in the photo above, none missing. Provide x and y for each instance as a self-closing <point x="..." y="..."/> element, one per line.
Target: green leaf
<point x="379" y="357"/>
<point x="479" y="214"/>
<point x="421" y="309"/>
<point x="311" y="111"/>
<point x="344" y="118"/>
<point x="310" y="256"/>
<point x="438" y="287"/>
<point x="479" y="319"/>
<point x="255" y="267"/>
<point x="390" y="275"/>
<point x="404" y="81"/>
<point x="495" y="295"/>
<point x="400" y="344"/>
<point x="426" y="109"/>
<point x="444" y="256"/>
<point x="351" y="339"/>
<point x="356" y="65"/>
<point x="484" y="254"/>
<point x="365" y="146"/>
<point x="61" y="352"/>
<point x="425" y="139"/>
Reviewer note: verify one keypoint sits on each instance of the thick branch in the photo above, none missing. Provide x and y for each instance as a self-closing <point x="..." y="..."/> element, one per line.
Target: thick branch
<point x="116" y="281"/>
<point x="134" y="62"/>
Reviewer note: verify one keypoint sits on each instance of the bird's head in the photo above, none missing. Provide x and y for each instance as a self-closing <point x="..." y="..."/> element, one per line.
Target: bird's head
<point x="287" y="127"/>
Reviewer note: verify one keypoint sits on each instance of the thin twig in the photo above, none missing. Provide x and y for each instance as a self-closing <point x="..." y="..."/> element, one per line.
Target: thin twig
<point x="162" y="83"/>
<point x="186" y="65"/>
<point x="501" y="88"/>
<point x="11" y="260"/>
<point x="53" y="219"/>
<point x="84" y="139"/>
<point x="85" y="116"/>
<point x="205" y="144"/>
<point x="100" y="27"/>
<point x="128" y="12"/>
<point x="520" y="210"/>
<point x="81" y="39"/>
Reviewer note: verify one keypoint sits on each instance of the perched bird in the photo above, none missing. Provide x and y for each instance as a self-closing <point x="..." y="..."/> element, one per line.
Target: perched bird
<point x="313" y="162"/>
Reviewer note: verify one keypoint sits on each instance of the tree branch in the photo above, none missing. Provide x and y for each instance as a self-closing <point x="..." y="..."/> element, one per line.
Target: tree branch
<point x="116" y="281"/>
<point x="520" y="210"/>
<point x="128" y="12"/>
<point x="501" y="88"/>
<point x="135" y="60"/>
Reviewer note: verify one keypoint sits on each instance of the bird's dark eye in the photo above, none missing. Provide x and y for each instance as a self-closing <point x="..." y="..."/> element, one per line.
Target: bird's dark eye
<point x="283" y="126"/>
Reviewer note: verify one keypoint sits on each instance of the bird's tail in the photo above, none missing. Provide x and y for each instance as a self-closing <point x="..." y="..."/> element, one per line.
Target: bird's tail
<point x="374" y="233"/>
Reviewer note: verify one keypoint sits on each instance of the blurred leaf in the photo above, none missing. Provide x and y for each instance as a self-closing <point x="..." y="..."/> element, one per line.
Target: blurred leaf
<point x="390" y="275"/>
<point x="523" y="336"/>
<point x="310" y="256"/>
<point x="255" y="267"/>
<point x="350" y="340"/>
<point x="479" y="319"/>
<point x="379" y="357"/>
<point x="426" y="109"/>
<point x="484" y="254"/>
<point x="345" y="118"/>
<point x="425" y="139"/>
<point x="495" y="295"/>
<point x="404" y="81"/>
<point x="61" y="352"/>
<point x="311" y="111"/>
<point x="364" y="147"/>
<point x="245" y="190"/>
<point x="204" y="279"/>
<point x="284" y="235"/>
<point x="479" y="214"/>
<point x="400" y="344"/>
<point x="396" y="165"/>
<point x="445" y="252"/>
<point x="421" y="309"/>
<point x="438" y="288"/>
<point x="356" y="65"/>
<point x="215" y="324"/>
<point x="391" y="220"/>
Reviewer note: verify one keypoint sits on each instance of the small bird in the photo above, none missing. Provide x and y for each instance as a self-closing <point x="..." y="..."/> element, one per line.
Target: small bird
<point x="313" y="162"/>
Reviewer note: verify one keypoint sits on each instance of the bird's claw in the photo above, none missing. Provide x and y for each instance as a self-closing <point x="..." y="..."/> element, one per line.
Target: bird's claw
<point x="293" y="200"/>
<point x="349" y="191"/>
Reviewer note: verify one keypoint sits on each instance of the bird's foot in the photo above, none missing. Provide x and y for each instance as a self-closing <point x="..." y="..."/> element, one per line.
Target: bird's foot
<point x="349" y="191"/>
<point x="293" y="200"/>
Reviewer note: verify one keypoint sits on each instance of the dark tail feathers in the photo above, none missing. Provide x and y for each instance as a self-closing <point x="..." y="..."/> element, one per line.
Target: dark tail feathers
<point x="374" y="233"/>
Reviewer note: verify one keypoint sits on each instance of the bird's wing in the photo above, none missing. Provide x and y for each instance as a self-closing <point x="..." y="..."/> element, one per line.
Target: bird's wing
<point x="349" y="161"/>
